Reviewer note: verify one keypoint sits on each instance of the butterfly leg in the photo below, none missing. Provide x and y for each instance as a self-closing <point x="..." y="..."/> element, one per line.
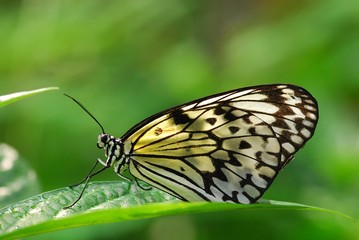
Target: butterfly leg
<point x="86" y="180"/>
<point x="142" y="187"/>
<point x="102" y="162"/>
<point x="83" y="180"/>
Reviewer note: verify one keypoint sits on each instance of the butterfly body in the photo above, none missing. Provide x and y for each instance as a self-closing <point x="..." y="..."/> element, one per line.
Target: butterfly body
<point x="226" y="147"/>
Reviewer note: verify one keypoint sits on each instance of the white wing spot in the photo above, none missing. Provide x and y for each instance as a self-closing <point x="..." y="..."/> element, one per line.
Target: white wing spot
<point x="312" y="116"/>
<point x="289" y="147"/>
<point x="309" y="107"/>
<point x="251" y="191"/>
<point x="308" y="123"/>
<point x="309" y="101"/>
<point x="258" y="181"/>
<point x="210" y="100"/>
<point x="254" y="106"/>
<point x="243" y="199"/>
<point x="188" y="107"/>
<point x="305" y="132"/>
<point x="266" y="171"/>
<point x="255" y="97"/>
<point x="297" y="139"/>
<point x="235" y="95"/>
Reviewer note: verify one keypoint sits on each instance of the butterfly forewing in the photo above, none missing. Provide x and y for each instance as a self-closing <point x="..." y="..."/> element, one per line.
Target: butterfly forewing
<point x="225" y="147"/>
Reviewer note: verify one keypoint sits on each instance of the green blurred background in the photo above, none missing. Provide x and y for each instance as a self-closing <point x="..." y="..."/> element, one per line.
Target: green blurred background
<point x="125" y="60"/>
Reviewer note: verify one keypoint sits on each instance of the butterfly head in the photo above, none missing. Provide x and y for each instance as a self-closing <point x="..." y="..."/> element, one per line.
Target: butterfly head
<point x="103" y="140"/>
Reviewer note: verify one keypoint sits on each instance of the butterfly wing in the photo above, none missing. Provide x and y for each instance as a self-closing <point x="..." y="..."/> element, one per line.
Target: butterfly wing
<point x="225" y="147"/>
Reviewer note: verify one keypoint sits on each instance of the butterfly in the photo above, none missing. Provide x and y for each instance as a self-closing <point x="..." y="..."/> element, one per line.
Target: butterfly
<point x="227" y="147"/>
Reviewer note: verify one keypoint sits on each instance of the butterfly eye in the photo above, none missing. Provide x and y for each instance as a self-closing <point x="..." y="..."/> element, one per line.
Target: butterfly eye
<point x="102" y="140"/>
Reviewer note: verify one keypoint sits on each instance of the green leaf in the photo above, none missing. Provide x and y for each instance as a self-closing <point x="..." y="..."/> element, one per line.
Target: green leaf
<point x="13" y="97"/>
<point x="17" y="179"/>
<point x="105" y="202"/>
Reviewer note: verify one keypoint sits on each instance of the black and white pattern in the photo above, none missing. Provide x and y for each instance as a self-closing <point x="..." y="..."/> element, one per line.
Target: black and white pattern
<point x="226" y="147"/>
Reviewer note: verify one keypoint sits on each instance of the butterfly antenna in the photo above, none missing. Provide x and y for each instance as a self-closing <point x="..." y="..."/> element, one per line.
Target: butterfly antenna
<point x="87" y="111"/>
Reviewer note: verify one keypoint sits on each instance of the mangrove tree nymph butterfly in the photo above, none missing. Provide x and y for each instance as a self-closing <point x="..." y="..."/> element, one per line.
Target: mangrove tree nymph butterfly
<point x="227" y="147"/>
